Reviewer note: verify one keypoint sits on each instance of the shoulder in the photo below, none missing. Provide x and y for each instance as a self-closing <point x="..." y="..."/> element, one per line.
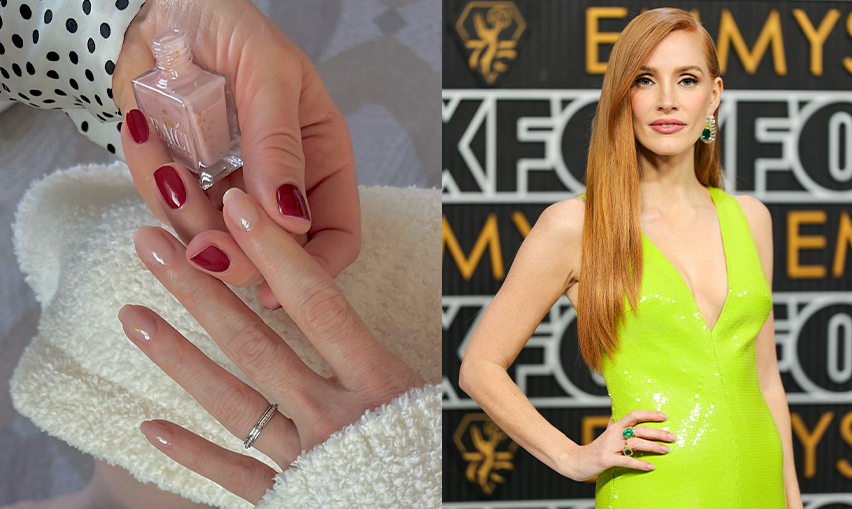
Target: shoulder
<point x="757" y="214"/>
<point x="565" y="218"/>
<point x="555" y="242"/>
<point x="760" y="223"/>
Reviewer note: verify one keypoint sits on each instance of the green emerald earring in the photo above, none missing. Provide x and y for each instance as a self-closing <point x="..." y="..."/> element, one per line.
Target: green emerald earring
<point x="708" y="135"/>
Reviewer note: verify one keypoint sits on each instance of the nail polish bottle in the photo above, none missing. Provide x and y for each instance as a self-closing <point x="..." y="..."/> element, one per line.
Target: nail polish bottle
<point x="191" y="108"/>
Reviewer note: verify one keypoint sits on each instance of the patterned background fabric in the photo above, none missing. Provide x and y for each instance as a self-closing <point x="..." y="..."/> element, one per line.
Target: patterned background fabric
<point x="381" y="61"/>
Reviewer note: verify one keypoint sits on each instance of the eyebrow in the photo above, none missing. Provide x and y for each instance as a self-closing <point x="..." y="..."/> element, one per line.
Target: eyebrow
<point x="677" y="71"/>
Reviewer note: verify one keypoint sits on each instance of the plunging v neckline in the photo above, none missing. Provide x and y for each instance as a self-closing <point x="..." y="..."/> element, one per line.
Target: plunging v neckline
<point x="727" y="268"/>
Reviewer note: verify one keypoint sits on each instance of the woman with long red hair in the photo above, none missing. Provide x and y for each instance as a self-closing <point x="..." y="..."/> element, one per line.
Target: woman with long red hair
<point x="671" y="280"/>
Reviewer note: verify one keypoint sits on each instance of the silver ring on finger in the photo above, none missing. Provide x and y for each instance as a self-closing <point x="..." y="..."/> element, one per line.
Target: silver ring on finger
<point x="255" y="432"/>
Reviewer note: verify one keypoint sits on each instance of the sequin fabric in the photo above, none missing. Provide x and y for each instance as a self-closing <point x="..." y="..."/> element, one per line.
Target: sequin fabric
<point x="728" y="453"/>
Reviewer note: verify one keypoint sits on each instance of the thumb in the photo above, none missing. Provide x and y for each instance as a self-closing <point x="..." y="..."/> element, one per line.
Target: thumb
<point x="268" y="94"/>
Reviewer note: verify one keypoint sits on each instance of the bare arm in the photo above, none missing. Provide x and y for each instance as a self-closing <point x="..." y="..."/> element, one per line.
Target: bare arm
<point x="767" y="363"/>
<point x="546" y="263"/>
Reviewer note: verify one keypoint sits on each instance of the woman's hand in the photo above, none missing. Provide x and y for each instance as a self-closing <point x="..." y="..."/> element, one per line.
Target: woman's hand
<point x="607" y="450"/>
<point x="365" y="374"/>
<point x="294" y="139"/>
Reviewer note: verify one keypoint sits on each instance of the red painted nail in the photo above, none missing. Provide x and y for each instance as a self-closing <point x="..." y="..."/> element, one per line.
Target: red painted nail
<point x="170" y="186"/>
<point x="212" y="259"/>
<point x="137" y="124"/>
<point x="291" y="202"/>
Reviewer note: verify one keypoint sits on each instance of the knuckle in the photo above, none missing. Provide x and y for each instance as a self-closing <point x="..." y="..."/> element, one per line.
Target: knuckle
<point x="326" y="311"/>
<point x="202" y="461"/>
<point x="241" y="475"/>
<point x="232" y="404"/>
<point x="283" y="144"/>
<point x="252" y="348"/>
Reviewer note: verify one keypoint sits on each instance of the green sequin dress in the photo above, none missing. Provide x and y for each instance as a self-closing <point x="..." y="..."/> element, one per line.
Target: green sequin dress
<point x="729" y="450"/>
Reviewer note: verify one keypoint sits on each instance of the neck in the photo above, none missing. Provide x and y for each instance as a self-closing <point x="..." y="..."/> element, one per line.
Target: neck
<point x="668" y="182"/>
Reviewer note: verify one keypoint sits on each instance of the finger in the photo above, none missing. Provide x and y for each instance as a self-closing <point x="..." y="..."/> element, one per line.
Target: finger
<point x="653" y="433"/>
<point x="168" y="188"/>
<point x="242" y="475"/>
<point x="271" y="142"/>
<point x="639" y="444"/>
<point x="264" y="293"/>
<point x="636" y="416"/>
<point x="255" y="348"/>
<point x="305" y="290"/>
<point x="335" y="235"/>
<point x="217" y="254"/>
<point x="266" y="297"/>
<point x="230" y="401"/>
<point x="629" y="462"/>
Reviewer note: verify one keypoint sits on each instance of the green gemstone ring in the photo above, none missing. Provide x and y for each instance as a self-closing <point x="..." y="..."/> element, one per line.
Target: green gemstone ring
<point x="627" y="450"/>
<point x="627" y="433"/>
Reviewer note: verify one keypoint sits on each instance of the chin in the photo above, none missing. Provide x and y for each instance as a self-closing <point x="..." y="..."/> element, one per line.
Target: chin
<point x="667" y="149"/>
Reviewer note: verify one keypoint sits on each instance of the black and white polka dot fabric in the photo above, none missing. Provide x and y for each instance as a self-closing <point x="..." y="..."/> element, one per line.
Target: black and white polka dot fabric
<point x="61" y="54"/>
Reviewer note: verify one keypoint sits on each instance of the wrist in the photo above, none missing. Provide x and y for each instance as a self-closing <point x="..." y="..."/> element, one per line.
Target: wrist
<point x="566" y="459"/>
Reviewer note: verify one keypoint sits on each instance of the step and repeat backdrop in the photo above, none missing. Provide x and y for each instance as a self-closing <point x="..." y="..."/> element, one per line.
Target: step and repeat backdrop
<point x="521" y="81"/>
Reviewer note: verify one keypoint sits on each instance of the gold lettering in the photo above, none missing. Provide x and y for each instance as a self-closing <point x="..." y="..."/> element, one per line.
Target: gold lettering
<point x="594" y="38"/>
<point x="844" y="238"/>
<point x="489" y="237"/>
<point x="809" y="439"/>
<point x="771" y="32"/>
<point x="795" y="242"/>
<point x="589" y="424"/>
<point x="847" y="62"/>
<point x="521" y="223"/>
<point x="816" y="37"/>
<point x="843" y="465"/>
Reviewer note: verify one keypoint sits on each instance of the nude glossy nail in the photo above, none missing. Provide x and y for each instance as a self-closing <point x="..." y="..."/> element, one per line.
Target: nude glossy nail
<point x="666" y="449"/>
<point x="240" y="209"/>
<point x="137" y="324"/>
<point x="153" y="247"/>
<point x="213" y="259"/>
<point x="157" y="434"/>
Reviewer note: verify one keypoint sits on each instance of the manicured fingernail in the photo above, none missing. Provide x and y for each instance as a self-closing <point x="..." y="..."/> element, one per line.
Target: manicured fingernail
<point x="170" y="186"/>
<point x="278" y="306"/>
<point x="651" y="467"/>
<point x="137" y="323"/>
<point x="292" y="203"/>
<point x="157" y="434"/>
<point x="240" y="209"/>
<point x="664" y="416"/>
<point x="666" y="449"/>
<point x="153" y="247"/>
<point x="137" y="124"/>
<point x="212" y="259"/>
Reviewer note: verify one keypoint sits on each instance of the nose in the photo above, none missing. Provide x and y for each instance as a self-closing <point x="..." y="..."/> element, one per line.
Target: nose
<point x="666" y="101"/>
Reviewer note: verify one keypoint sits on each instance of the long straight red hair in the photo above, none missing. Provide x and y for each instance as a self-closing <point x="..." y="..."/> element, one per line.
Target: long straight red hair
<point x="612" y="236"/>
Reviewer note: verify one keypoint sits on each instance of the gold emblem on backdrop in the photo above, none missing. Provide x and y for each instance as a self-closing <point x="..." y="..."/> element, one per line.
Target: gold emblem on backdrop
<point x="490" y="33"/>
<point x="486" y="448"/>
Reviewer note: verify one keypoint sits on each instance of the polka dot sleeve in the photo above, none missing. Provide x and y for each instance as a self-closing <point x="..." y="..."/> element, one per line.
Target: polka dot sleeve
<point x="61" y="54"/>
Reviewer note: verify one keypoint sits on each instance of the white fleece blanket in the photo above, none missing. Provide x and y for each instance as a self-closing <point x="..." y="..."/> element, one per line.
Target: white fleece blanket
<point x="83" y="381"/>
